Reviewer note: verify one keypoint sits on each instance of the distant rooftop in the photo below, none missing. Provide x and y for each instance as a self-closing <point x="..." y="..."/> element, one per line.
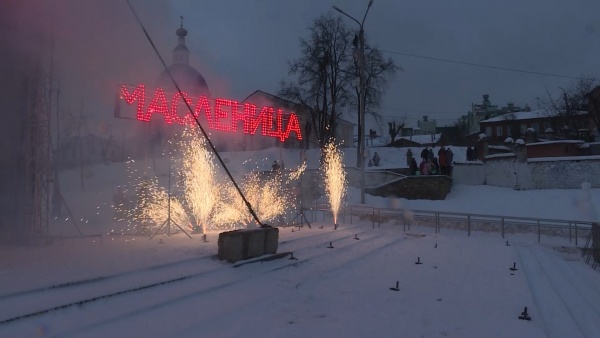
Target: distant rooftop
<point x="525" y="115"/>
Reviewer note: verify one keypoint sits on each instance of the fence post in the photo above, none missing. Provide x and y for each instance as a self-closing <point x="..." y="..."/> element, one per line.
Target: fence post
<point x="539" y="231"/>
<point x="502" y="224"/>
<point x="437" y="223"/>
<point x="570" y="232"/>
<point x="373" y="217"/>
<point x="469" y="225"/>
<point x="378" y="218"/>
<point x="575" y="234"/>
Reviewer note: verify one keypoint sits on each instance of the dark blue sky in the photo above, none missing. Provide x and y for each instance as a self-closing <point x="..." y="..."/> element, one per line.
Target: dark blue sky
<point x="244" y="45"/>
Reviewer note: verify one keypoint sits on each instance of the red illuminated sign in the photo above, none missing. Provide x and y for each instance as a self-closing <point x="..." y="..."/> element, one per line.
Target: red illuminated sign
<point x="223" y="114"/>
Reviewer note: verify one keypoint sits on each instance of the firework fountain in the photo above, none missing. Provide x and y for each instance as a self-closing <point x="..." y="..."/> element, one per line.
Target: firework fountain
<point x="204" y="201"/>
<point x="198" y="176"/>
<point x="335" y="178"/>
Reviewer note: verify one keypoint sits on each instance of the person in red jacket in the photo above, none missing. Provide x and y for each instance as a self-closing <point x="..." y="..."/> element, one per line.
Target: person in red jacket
<point x="443" y="161"/>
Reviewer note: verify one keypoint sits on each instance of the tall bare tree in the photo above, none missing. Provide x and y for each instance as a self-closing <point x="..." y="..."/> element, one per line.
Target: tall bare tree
<point x="570" y="103"/>
<point x="594" y="108"/>
<point x="395" y="127"/>
<point x="322" y="82"/>
<point x="379" y="71"/>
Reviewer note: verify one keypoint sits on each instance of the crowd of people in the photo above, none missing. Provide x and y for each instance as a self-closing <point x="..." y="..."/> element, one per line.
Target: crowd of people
<point x="472" y="154"/>
<point x="430" y="164"/>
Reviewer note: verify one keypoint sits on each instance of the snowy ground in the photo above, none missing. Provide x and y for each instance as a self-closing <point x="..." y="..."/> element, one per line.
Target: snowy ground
<point x="173" y="286"/>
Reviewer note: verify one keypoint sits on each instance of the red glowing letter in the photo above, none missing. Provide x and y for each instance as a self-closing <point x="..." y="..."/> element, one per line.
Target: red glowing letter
<point x="201" y="105"/>
<point x="249" y="112"/>
<point x="222" y="114"/>
<point x="265" y="117"/>
<point x="138" y="94"/>
<point x="251" y="120"/>
<point x="175" y="104"/>
<point x="236" y="116"/>
<point x="159" y="105"/>
<point x="293" y="126"/>
<point x="278" y="132"/>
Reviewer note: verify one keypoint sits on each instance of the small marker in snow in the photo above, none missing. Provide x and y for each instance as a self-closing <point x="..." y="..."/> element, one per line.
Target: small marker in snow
<point x="435" y="245"/>
<point x="160" y="241"/>
<point x="335" y="227"/>
<point x="418" y="260"/>
<point x="204" y="238"/>
<point x="321" y="227"/>
<point x="397" y="288"/>
<point x="292" y="229"/>
<point x="507" y="243"/>
<point x="514" y="268"/>
<point x="524" y="315"/>
<point x="330" y="245"/>
<point x="292" y="257"/>
<point x="356" y="236"/>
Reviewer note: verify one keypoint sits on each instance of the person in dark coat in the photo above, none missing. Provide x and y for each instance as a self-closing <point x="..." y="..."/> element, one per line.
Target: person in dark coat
<point x="275" y="166"/>
<point x="409" y="156"/>
<point x="470" y="154"/>
<point x="413" y="166"/>
<point x="442" y="161"/>
<point x="449" y="161"/>
<point x="435" y="167"/>
<point x="376" y="159"/>
<point x="425" y="154"/>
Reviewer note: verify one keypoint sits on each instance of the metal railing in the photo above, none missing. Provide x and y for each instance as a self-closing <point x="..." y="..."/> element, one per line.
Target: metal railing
<point x="503" y="224"/>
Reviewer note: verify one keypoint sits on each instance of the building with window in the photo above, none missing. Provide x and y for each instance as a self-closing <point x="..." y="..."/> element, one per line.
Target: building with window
<point x="540" y="123"/>
<point x="487" y="110"/>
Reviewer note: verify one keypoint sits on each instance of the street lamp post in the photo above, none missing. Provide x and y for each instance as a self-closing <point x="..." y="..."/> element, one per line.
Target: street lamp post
<point x="362" y="97"/>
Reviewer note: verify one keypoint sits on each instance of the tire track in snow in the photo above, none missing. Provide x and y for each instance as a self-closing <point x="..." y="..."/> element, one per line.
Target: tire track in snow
<point x="92" y="280"/>
<point x="78" y="292"/>
<point x="324" y="268"/>
<point x="320" y="252"/>
<point x="583" y="302"/>
<point x="196" y="276"/>
<point x="549" y="302"/>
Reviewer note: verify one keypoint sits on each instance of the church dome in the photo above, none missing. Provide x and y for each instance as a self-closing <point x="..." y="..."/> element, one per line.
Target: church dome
<point x="181" y="32"/>
<point x="188" y="79"/>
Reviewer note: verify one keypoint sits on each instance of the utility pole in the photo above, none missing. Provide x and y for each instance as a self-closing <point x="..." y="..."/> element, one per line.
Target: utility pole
<point x="362" y="96"/>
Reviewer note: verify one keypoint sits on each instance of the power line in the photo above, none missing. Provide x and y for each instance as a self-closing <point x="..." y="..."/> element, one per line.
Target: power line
<point x="483" y="66"/>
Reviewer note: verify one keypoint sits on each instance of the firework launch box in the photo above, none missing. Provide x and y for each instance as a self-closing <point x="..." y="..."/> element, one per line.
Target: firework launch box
<point x="238" y="245"/>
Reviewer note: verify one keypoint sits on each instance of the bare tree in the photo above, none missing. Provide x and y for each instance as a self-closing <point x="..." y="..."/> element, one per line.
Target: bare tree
<point x="322" y="82"/>
<point x="462" y="129"/>
<point x="379" y="71"/>
<point x="395" y="129"/>
<point x="593" y="104"/>
<point x="569" y="104"/>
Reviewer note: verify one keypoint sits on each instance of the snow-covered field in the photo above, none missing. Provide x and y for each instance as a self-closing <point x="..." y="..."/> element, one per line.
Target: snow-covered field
<point x="173" y="286"/>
